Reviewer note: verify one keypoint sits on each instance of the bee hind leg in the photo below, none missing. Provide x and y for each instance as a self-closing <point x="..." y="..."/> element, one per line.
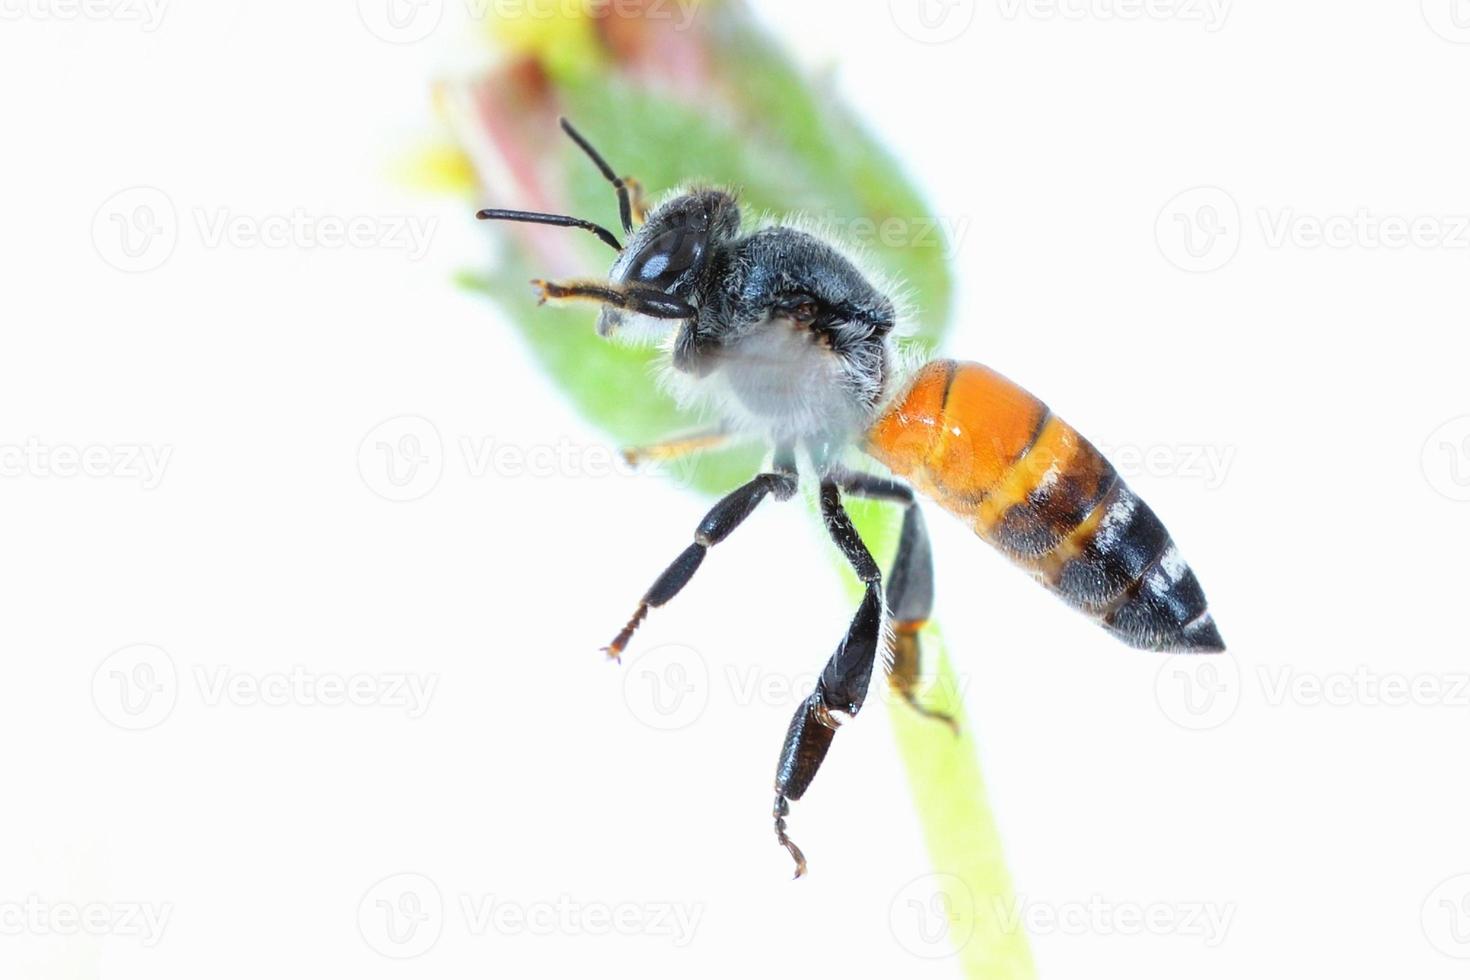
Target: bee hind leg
<point x="910" y="592"/>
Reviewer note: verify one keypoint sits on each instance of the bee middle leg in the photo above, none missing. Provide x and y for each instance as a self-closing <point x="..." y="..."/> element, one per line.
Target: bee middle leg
<point x="722" y="519"/>
<point x="842" y="686"/>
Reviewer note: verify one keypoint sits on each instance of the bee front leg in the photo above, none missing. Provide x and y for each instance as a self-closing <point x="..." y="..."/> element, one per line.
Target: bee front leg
<point x="635" y="299"/>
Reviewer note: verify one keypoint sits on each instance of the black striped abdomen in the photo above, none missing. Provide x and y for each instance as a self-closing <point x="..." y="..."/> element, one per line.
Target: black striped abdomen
<point x="1033" y="487"/>
<point x="1120" y="566"/>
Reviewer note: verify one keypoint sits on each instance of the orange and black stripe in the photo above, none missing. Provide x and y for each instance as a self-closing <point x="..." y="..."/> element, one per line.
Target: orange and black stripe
<point x="1028" y="483"/>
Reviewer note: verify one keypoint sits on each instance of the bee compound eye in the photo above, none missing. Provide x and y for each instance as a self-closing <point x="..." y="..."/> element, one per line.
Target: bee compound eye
<point x="667" y="257"/>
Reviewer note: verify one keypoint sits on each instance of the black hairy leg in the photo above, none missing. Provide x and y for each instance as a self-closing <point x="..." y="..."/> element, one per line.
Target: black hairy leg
<point x="723" y="518"/>
<point x="910" y="586"/>
<point x="842" y="686"/>
<point x="634" y="299"/>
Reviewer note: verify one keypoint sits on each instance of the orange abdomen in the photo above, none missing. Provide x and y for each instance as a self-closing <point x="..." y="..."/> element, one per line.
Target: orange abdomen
<point x="994" y="455"/>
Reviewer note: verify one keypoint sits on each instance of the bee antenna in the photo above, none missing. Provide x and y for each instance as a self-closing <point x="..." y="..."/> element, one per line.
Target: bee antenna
<point x="625" y="204"/>
<point x="561" y="220"/>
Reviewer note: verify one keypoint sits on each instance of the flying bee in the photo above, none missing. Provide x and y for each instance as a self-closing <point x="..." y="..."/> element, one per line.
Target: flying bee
<point x="794" y="345"/>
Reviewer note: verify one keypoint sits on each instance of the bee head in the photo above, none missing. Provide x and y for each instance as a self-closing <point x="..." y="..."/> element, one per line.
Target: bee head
<point x="670" y="253"/>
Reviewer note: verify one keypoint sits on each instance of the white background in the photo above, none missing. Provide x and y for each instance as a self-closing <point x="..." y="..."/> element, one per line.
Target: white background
<point x="1297" y="790"/>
